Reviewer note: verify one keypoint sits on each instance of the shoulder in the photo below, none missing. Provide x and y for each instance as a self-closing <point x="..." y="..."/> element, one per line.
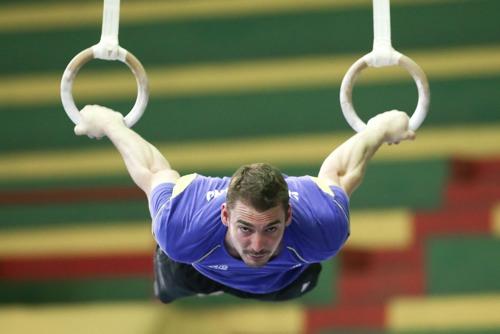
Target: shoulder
<point x="313" y="186"/>
<point x="193" y="186"/>
<point x="190" y="222"/>
<point x="320" y="217"/>
<point x="323" y="201"/>
<point x="192" y="193"/>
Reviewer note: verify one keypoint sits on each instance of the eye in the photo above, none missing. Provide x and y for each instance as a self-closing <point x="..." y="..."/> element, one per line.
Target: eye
<point x="244" y="229"/>
<point x="272" y="229"/>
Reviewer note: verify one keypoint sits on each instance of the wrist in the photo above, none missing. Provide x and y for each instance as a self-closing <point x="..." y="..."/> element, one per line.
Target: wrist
<point x="114" y="124"/>
<point x="375" y="134"/>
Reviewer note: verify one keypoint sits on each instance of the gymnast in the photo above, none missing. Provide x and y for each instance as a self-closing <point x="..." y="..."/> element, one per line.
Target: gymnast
<point x="258" y="234"/>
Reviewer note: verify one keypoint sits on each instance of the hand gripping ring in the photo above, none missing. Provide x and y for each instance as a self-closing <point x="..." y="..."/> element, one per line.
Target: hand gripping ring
<point x="85" y="56"/>
<point x="350" y="77"/>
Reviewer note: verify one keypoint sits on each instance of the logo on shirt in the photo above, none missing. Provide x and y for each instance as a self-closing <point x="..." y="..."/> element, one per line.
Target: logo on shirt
<point x="294" y="195"/>
<point x="214" y="193"/>
<point x="219" y="266"/>
<point x="304" y="287"/>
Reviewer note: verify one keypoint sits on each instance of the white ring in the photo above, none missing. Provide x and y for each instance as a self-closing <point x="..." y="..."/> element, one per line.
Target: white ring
<point x="348" y="84"/>
<point x="85" y="56"/>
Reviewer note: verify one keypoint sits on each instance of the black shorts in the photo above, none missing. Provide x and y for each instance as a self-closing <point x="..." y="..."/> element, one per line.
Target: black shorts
<point x="174" y="280"/>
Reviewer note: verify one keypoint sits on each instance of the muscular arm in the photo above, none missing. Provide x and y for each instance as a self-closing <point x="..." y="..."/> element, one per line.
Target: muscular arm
<point x="145" y="164"/>
<point x="346" y="165"/>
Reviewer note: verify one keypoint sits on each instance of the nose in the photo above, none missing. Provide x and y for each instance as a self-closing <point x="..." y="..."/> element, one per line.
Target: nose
<point x="257" y="244"/>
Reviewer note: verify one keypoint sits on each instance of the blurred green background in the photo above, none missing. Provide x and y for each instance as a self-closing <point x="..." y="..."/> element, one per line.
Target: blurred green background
<point x="232" y="82"/>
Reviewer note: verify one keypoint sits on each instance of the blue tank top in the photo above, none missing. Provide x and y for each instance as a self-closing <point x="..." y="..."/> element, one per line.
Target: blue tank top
<point x="188" y="228"/>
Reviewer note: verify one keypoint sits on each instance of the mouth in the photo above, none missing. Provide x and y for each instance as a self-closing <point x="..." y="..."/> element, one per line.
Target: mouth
<point x="257" y="257"/>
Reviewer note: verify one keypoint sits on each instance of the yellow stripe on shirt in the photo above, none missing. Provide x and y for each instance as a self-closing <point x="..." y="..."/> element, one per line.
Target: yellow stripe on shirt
<point x="182" y="184"/>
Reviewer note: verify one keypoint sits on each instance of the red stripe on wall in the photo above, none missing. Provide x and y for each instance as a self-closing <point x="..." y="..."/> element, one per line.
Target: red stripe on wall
<point x="472" y="194"/>
<point x="476" y="170"/>
<point x="376" y="276"/>
<point x="456" y="221"/>
<point x="356" y="317"/>
<point x="51" y="268"/>
<point x="70" y="195"/>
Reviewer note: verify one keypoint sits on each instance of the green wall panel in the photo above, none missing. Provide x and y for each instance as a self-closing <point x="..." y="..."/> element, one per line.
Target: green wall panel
<point x="463" y="264"/>
<point x="262" y="36"/>
<point x="271" y="113"/>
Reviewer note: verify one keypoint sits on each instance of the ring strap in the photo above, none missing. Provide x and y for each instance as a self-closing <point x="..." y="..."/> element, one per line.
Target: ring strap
<point x="108" y="48"/>
<point x="383" y="54"/>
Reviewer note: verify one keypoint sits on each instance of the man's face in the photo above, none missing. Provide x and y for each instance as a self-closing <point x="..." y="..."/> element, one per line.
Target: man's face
<point x="252" y="235"/>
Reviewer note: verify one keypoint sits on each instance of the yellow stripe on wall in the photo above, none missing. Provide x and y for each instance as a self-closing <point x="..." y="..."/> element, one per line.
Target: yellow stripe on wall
<point x="384" y="229"/>
<point x="114" y="238"/>
<point x="496" y="220"/>
<point x="78" y="240"/>
<point x="466" y="141"/>
<point x="133" y="318"/>
<point x="440" y="313"/>
<point x="24" y="90"/>
<point x="26" y="17"/>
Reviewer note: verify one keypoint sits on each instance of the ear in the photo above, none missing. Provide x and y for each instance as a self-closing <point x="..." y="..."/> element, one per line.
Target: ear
<point x="224" y="214"/>
<point x="288" y="216"/>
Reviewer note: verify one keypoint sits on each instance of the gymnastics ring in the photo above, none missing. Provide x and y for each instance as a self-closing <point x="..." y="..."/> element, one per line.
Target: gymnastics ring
<point x="383" y="55"/>
<point x="106" y="49"/>
<point x="367" y="61"/>
<point x="85" y="56"/>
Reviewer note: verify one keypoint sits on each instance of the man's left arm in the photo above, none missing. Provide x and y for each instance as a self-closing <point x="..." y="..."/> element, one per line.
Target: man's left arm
<point x="346" y="165"/>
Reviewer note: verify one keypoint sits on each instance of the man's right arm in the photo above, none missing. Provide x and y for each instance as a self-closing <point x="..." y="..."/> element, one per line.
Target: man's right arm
<point x="145" y="164"/>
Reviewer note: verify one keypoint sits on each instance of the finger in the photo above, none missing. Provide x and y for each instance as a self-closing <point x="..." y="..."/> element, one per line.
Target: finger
<point x="411" y="135"/>
<point x="80" y="129"/>
<point x="86" y="109"/>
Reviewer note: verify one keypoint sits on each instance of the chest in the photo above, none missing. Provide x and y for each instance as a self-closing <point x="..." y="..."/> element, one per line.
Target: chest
<point x="219" y="260"/>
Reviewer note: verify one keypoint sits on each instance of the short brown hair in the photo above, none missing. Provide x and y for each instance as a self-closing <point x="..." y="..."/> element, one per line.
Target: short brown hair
<point x="260" y="185"/>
